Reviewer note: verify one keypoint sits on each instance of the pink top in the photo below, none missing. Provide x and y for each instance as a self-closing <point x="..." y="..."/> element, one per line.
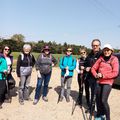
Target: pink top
<point x="109" y="69"/>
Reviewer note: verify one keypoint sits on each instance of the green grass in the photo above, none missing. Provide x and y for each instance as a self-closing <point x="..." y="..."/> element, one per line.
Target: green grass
<point x="57" y="56"/>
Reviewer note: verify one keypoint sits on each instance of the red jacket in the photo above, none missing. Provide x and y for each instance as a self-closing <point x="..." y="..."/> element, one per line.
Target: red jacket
<point x="109" y="69"/>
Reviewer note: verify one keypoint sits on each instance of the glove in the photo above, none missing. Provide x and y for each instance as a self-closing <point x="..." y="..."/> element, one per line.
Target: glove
<point x="38" y="74"/>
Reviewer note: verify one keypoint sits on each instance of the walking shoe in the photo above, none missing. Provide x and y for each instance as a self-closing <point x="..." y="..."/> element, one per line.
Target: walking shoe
<point x="61" y="99"/>
<point x="7" y="100"/>
<point x="0" y="105"/>
<point x="103" y="117"/>
<point x="67" y="99"/>
<point x="21" y="102"/>
<point x="45" y="99"/>
<point x="98" y="118"/>
<point x="35" y="101"/>
<point x="29" y="99"/>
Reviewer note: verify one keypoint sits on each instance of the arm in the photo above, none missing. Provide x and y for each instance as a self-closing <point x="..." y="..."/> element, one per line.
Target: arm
<point x="115" y="69"/>
<point x="61" y="64"/>
<point x="77" y="66"/>
<point x="73" y="64"/>
<point x="95" y="67"/>
<point x="33" y="60"/>
<point x="18" y="65"/>
<point x="54" y="61"/>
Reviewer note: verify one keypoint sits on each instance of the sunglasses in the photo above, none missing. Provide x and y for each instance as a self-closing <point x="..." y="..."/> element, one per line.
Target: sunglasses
<point x="69" y="50"/>
<point x="82" y="52"/>
<point x="7" y="49"/>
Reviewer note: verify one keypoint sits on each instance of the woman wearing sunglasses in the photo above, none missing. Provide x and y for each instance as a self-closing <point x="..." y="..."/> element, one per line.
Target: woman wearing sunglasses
<point x="9" y="59"/>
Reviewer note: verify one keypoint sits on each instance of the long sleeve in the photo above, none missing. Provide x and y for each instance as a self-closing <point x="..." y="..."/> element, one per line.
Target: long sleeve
<point x="18" y="65"/>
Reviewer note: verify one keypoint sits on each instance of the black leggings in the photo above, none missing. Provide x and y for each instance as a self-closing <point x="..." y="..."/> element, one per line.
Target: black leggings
<point x="80" y="83"/>
<point x="102" y="94"/>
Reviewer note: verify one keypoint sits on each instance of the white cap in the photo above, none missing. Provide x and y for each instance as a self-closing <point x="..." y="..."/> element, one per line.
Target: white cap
<point x="108" y="46"/>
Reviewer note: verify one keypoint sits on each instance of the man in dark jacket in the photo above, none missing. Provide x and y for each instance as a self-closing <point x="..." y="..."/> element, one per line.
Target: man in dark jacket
<point x="90" y="60"/>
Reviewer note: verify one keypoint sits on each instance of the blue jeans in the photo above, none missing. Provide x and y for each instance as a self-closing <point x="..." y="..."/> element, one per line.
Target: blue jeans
<point x="46" y="79"/>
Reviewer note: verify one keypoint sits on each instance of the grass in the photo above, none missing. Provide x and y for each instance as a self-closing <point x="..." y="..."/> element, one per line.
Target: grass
<point x="16" y="54"/>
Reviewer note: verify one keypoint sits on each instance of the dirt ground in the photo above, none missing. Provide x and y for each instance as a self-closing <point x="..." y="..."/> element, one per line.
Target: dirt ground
<point x="51" y="110"/>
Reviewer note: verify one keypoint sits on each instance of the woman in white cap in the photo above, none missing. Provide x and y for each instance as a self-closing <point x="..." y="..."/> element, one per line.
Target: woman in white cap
<point x="25" y="63"/>
<point x="105" y="70"/>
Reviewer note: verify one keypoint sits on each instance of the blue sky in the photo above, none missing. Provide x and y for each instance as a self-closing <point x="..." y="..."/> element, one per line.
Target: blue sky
<point x="72" y="21"/>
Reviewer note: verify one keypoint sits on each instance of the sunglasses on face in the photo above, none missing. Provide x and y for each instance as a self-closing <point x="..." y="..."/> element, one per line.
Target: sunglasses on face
<point x="95" y="45"/>
<point x="82" y="52"/>
<point x="7" y="49"/>
<point x="69" y="51"/>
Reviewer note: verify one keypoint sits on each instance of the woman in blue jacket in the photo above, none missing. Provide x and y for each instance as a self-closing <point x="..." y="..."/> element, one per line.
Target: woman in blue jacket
<point x="3" y="72"/>
<point x="67" y="65"/>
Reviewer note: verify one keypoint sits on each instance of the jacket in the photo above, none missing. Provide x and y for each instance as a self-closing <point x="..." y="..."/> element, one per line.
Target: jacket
<point x="109" y="69"/>
<point x="67" y="61"/>
<point x="3" y="67"/>
<point x="24" y="60"/>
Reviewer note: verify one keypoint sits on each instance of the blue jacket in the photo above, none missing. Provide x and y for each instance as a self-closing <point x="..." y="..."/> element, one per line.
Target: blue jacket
<point x="3" y="66"/>
<point x="67" y="61"/>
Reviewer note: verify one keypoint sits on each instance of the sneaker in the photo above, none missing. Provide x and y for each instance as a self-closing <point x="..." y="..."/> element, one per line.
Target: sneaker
<point x="61" y="99"/>
<point x="67" y="99"/>
<point x="45" y="99"/>
<point x="21" y="102"/>
<point x="103" y="117"/>
<point x="98" y="118"/>
<point x="35" y="101"/>
<point x="29" y="99"/>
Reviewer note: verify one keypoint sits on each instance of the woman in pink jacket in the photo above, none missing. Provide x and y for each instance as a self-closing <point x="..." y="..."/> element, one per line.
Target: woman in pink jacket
<point x="104" y="70"/>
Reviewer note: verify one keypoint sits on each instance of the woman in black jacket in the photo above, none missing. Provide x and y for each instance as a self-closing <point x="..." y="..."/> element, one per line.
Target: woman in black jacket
<point x="25" y="63"/>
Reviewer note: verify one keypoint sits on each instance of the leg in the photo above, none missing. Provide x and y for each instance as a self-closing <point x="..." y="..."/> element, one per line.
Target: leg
<point x="38" y="88"/>
<point x="105" y="95"/>
<point x="46" y="82"/>
<point x="62" y="86"/>
<point x="2" y="91"/>
<point x="26" y="89"/>
<point x="80" y="90"/>
<point x="87" y="92"/>
<point x="21" y="88"/>
<point x="69" y="81"/>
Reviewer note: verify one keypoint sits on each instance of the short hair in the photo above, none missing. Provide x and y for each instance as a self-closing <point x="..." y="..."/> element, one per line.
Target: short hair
<point x="27" y="46"/>
<point x="96" y="40"/>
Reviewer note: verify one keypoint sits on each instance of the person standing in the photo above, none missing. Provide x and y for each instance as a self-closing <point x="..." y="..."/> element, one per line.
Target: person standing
<point x="90" y="60"/>
<point x="9" y="58"/>
<point x="80" y="67"/>
<point x="3" y="75"/>
<point x="67" y="65"/>
<point x="25" y="62"/>
<point x="105" y="70"/>
<point x="44" y="65"/>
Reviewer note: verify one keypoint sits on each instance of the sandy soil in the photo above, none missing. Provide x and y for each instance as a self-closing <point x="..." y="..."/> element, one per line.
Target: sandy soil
<point x="51" y="110"/>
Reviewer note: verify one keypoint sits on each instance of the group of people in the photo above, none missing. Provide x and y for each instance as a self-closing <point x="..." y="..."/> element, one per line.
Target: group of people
<point x="96" y="71"/>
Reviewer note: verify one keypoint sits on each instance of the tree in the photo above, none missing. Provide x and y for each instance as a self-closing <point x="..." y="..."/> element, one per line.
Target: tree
<point x="18" y="37"/>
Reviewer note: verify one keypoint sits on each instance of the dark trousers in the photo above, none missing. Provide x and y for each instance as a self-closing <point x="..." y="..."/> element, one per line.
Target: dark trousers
<point x="46" y="79"/>
<point x="102" y="94"/>
<point x="2" y="90"/>
<point x="81" y="83"/>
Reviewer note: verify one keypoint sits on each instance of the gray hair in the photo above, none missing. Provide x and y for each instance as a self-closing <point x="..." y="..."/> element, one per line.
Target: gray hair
<point x="27" y="46"/>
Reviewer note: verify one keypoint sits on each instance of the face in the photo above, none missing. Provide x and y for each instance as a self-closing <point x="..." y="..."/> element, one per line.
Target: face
<point x="46" y="51"/>
<point x="69" y="52"/>
<point x="6" y="50"/>
<point x="83" y="53"/>
<point x="96" y="46"/>
<point x="26" y="50"/>
<point x="107" y="52"/>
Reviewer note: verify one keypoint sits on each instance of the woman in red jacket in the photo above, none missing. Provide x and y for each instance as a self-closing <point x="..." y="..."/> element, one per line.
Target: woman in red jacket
<point x="105" y="70"/>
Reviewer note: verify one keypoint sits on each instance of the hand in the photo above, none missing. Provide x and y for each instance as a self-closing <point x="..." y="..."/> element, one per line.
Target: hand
<point x="98" y="76"/>
<point x="5" y="71"/>
<point x="82" y="67"/>
<point x="67" y="68"/>
<point x="81" y="71"/>
<point x="88" y="69"/>
<point x="53" y="64"/>
<point x="38" y="74"/>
